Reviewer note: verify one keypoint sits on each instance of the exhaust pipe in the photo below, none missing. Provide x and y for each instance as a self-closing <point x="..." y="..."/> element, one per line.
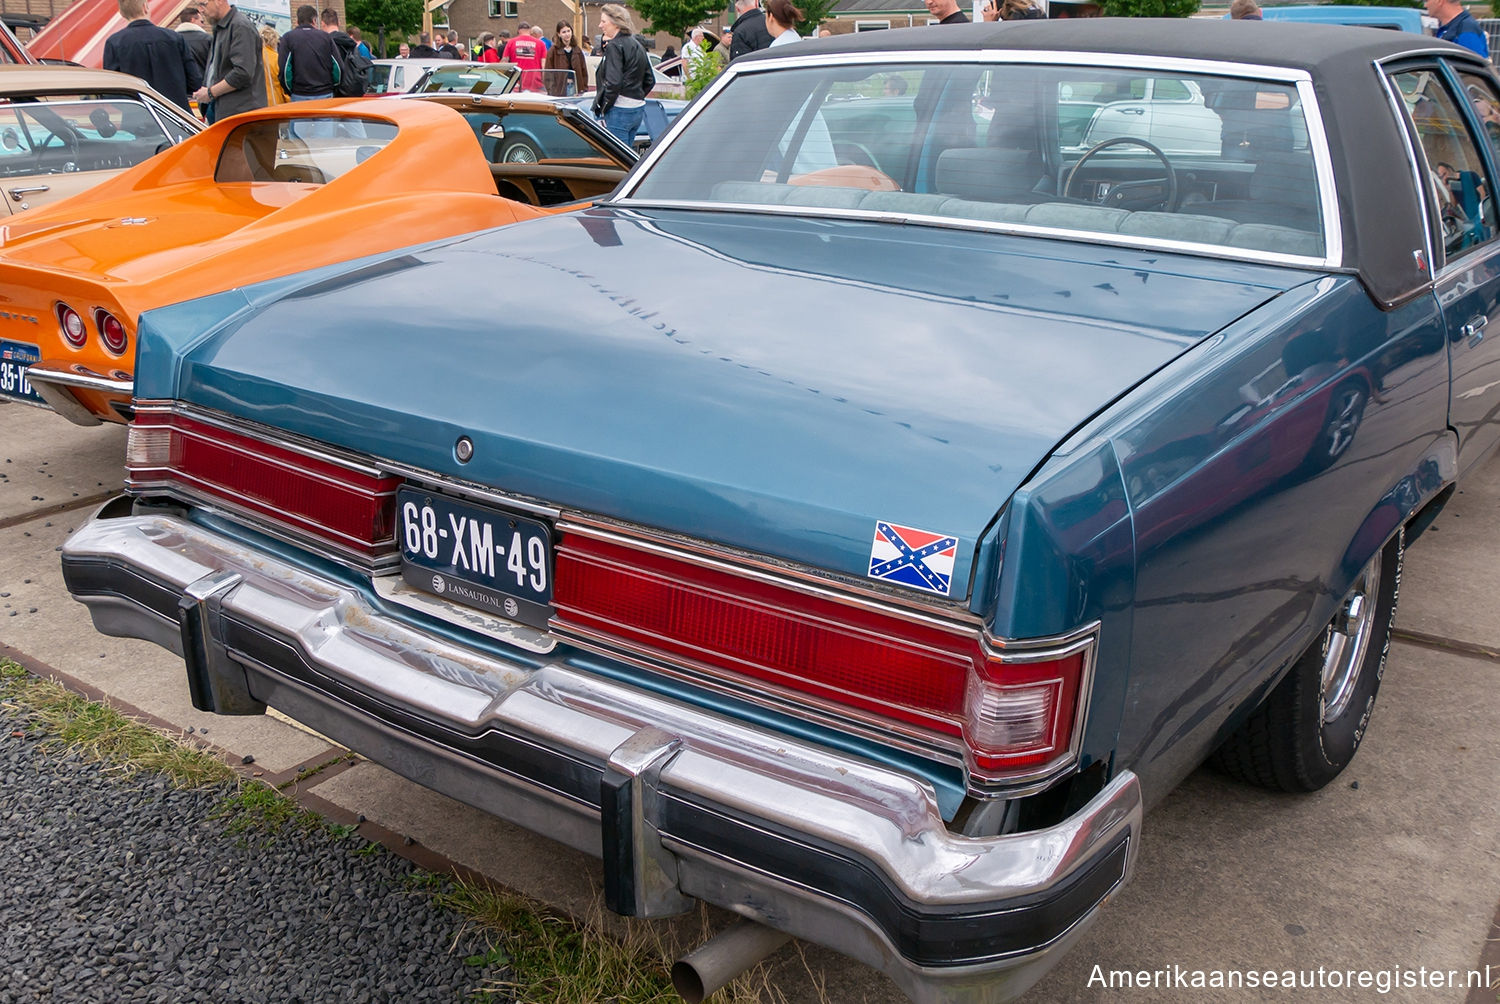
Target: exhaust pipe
<point x="713" y="964"/>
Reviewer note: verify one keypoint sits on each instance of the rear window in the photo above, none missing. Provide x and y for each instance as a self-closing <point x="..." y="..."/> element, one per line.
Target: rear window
<point x="310" y="151"/>
<point x="1201" y="160"/>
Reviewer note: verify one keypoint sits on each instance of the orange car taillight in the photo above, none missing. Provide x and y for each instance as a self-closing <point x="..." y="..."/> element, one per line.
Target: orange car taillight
<point x="111" y="331"/>
<point x="71" y="324"/>
<point x="305" y="491"/>
<point x="1014" y="714"/>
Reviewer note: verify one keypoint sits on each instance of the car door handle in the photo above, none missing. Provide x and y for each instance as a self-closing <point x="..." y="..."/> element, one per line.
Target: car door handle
<point x="1474" y="330"/>
<point x="19" y="194"/>
<point x="1132" y="111"/>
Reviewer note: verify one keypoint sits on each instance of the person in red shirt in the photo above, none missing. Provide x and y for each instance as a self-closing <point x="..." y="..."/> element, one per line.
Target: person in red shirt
<point x="526" y="51"/>
<point x="487" y="53"/>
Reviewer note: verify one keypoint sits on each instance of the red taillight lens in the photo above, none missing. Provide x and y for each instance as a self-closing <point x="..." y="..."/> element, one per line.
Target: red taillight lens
<point x="111" y="331"/>
<point x="1021" y="714"/>
<point x="71" y="324"/>
<point x="313" y="494"/>
<point x="1014" y="712"/>
<point x="722" y="622"/>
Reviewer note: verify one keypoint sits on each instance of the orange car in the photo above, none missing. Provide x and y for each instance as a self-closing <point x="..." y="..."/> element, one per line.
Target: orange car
<point x="260" y="195"/>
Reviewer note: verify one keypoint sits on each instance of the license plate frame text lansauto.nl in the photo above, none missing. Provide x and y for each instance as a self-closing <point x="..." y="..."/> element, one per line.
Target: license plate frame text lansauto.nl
<point x="477" y="555"/>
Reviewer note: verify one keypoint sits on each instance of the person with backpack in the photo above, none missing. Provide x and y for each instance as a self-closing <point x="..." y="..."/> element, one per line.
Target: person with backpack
<point x="309" y="68"/>
<point x="355" y="68"/>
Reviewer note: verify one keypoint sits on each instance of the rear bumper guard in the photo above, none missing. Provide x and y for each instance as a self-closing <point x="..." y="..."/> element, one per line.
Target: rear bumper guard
<point x="679" y="803"/>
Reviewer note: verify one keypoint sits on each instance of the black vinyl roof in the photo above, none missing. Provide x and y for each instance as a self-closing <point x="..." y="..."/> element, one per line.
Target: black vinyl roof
<point x="1379" y="205"/>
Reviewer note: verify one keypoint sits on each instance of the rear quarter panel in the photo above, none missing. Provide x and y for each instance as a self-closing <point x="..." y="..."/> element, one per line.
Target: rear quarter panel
<point x="1243" y="535"/>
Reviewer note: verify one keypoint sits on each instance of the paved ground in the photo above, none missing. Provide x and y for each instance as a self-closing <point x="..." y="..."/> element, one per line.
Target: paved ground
<point x="1393" y="869"/>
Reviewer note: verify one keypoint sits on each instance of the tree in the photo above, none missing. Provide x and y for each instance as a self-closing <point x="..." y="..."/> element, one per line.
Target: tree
<point x="397" y="18"/>
<point x="1148" y="8"/>
<point x="814" y="11"/>
<point x="675" y="17"/>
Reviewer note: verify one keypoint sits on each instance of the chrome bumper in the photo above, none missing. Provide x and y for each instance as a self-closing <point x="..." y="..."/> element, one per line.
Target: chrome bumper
<point x="678" y="801"/>
<point x="55" y="383"/>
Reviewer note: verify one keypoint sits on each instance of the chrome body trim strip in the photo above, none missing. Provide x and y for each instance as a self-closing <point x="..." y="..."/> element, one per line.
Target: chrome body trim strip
<point x="55" y="383"/>
<point x="274" y="437"/>
<point x="330" y="657"/>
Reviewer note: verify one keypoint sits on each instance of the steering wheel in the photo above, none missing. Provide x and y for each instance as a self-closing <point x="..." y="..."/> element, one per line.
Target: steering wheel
<point x="1120" y="191"/>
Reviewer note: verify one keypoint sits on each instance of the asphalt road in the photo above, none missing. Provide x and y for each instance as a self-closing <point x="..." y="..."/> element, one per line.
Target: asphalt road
<point x="1388" y="875"/>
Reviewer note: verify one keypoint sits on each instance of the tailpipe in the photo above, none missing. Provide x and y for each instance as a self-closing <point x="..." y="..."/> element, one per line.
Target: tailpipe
<point x="713" y="964"/>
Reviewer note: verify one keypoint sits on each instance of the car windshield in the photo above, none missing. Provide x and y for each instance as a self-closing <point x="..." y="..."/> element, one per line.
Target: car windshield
<point x="470" y="80"/>
<point x="63" y="134"/>
<point x="305" y="150"/>
<point x="1134" y="155"/>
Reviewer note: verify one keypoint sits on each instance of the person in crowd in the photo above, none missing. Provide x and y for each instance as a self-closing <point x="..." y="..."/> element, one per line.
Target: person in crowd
<point x="403" y="51"/>
<point x="565" y="55"/>
<point x="359" y="43"/>
<point x="781" y="21"/>
<point x="1245" y="10"/>
<point x="947" y="12"/>
<point x="309" y="68"/>
<point x="487" y="51"/>
<point x="157" y="55"/>
<point x="625" y="76"/>
<point x="275" y="91"/>
<point x="347" y="47"/>
<point x="526" y="51"/>
<point x="448" y="45"/>
<point x="190" y="27"/>
<point x="423" y="49"/>
<point x="693" y="52"/>
<point x="824" y="33"/>
<point x="541" y="36"/>
<point x="236" y="75"/>
<point x="1457" y="25"/>
<point x="749" y="29"/>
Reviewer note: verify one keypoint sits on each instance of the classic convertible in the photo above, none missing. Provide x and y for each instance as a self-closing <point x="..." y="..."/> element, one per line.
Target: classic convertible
<point x="1008" y="484"/>
<point x="284" y="189"/>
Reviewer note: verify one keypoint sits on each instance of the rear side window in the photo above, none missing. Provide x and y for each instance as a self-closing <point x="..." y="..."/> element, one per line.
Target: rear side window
<point x="1457" y="186"/>
<point x="303" y="151"/>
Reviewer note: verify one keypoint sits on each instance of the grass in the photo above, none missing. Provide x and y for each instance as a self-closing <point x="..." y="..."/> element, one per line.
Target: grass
<point x="545" y="956"/>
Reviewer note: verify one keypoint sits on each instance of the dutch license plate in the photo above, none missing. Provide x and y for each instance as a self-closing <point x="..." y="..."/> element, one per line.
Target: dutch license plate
<point x="472" y="554"/>
<point x="15" y="359"/>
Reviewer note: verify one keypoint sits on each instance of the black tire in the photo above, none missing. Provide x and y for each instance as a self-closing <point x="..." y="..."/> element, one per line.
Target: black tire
<point x="1289" y="743"/>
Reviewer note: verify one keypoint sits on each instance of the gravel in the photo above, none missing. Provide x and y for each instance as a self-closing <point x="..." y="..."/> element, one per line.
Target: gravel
<point x="116" y="889"/>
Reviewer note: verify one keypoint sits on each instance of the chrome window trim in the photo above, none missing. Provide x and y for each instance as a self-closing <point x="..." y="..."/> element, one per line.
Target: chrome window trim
<point x="1450" y="266"/>
<point x="1398" y="109"/>
<point x="1333" y="244"/>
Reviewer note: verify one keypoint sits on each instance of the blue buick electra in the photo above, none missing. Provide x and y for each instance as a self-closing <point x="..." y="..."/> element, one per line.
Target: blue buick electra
<point x="939" y="445"/>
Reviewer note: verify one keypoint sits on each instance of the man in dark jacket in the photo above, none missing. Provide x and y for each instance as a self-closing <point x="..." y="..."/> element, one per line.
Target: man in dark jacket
<point x="190" y="27"/>
<point x="749" y="32"/>
<point x="156" y="55"/>
<point x="423" y="49"/>
<point x="236" y="75"/>
<point x="350" y="58"/>
<point x="309" y="68"/>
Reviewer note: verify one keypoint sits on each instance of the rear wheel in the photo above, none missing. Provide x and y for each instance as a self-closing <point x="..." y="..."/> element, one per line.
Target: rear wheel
<point x="519" y="152"/>
<point x="1310" y="726"/>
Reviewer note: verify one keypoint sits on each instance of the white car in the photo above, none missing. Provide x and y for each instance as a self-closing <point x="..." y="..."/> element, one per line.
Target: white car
<point x="394" y="76"/>
<point x="1169" y="112"/>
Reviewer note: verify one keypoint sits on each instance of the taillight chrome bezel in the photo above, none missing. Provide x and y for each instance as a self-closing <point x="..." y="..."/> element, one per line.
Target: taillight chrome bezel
<point x="103" y="318"/>
<point x="61" y="312"/>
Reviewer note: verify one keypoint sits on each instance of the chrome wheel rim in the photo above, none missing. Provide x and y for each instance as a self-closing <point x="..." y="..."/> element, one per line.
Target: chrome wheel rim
<point x="1347" y="641"/>
<point x="520" y="154"/>
<point x="1346" y="421"/>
